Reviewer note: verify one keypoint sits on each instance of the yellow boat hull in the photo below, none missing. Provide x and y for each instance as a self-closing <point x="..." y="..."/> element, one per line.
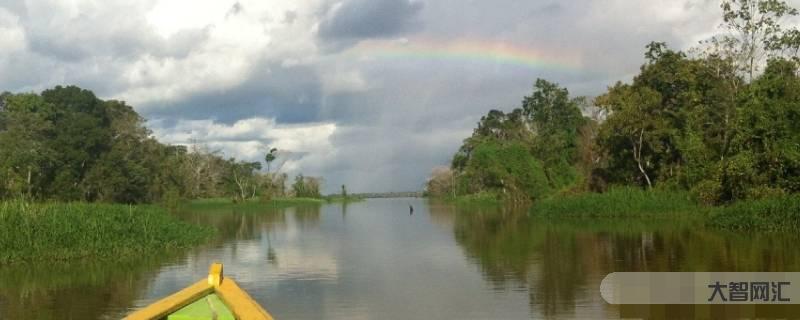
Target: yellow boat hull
<point x="240" y="304"/>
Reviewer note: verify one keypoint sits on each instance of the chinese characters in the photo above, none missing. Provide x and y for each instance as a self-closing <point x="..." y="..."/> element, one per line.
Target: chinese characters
<point x="748" y="291"/>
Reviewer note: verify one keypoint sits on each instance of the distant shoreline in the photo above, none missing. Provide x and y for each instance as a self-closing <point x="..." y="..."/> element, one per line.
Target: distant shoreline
<point x="408" y="194"/>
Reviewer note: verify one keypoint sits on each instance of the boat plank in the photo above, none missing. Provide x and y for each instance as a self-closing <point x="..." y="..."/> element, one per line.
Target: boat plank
<point x="242" y="305"/>
<point x="172" y="303"/>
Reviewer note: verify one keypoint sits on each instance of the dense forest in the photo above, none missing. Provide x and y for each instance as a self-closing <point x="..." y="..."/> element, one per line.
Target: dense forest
<point x="721" y="121"/>
<point x="65" y="144"/>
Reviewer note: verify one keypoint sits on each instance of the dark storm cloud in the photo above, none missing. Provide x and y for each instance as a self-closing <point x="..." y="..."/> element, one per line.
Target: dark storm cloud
<point x="288" y="94"/>
<point x="398" y="158"/>
<point x="363" y="19"/>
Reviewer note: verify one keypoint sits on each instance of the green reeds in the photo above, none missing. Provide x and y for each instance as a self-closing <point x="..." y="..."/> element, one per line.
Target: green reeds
<point x="773" y="214"/>
<point x="250" y="205"/>
<point x="478" y="199"/>
<point x="618" y="202"/>
<point x="63" y="231"/>
<point x="340" y="199"/>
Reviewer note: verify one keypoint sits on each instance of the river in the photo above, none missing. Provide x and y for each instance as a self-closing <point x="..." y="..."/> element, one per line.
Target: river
<point x="375" y="260"/>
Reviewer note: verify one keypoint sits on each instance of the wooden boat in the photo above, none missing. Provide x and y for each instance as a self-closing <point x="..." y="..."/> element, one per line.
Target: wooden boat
<point x="215" y="298"/>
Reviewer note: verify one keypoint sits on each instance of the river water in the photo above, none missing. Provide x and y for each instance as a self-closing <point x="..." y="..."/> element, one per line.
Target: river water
<point x="375" y="260"/>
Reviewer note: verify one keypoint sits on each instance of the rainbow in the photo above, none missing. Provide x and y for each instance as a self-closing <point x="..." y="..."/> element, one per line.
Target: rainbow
<point x="469" y="50"/>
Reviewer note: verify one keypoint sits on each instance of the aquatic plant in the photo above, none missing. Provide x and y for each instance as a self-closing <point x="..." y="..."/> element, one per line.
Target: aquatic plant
<point x="771" y="214"/>
<point x="619" y="202"/>
<point x="61" y="231"/>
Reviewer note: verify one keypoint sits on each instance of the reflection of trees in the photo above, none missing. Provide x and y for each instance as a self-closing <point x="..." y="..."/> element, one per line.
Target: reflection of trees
<point x="307" y="216"/>
<point x="75" y="290"/>
<point x="513" y="249"/>
<point x="248" y="223"/>
<point x="499" y="241"/>
<point x="562" y="261"/>
<point x="236" y="223"/>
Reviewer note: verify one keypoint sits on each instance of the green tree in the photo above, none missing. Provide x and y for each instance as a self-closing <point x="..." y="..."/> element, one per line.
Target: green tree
<point x="306" y="187"/>
<point x="243" y="178"/>
<point x="83" y="134"/>
<point x="271" y="156"/>
<point x="767" y="145"/>
<point x="633" y="132"/>
<point x="754" y="32"/>
<point x="26" y="159"/>
<point x="506" y="169"/>
<point x="555" y="120"/>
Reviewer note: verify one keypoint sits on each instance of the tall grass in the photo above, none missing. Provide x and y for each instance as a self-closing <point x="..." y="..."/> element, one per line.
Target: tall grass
<point x="618" y="202"/>
<point x="251" y="205"/>
<point x="340" y="199"/>
<point x="62" y="231"/>
<point x="774" y="214"/>
<point x="484" y="198"/>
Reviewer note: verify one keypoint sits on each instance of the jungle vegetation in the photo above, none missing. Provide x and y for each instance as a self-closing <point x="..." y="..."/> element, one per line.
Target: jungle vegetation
<point x="719" y="123"/>
<point x="66" y="144"/>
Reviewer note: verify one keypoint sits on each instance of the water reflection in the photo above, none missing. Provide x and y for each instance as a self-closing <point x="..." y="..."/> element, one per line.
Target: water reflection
<point x="516" y="252"/>
<point x="249" y="234"/>
<point x="77" y="290"/>
<point x="373" y="260"/>
<point x="561" y="262"/>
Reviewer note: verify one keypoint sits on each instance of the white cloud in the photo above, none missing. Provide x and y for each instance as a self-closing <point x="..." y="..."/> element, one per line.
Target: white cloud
<point x="689" y="21"/>
<point x="12" y="36"/>
<point x="155" y="52"/>
<point x="241" y="37"/>
<point x="307" y="146"/>
<point x="169" y="17"/>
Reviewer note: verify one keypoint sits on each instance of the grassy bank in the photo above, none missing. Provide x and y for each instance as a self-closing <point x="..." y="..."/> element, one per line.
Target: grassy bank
<point x="775" y="214"/>
<point x="618" y="202"/>
<point x="478" y="199"/>
<point x="63" y="231"/>
<point x="340" y="199"/>
<point x="213" y="204"/>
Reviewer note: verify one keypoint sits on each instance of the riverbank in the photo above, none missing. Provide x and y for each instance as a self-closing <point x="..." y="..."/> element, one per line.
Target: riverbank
<point x="773" y="214"/>
<point x="211" y="203"/>
<point x="251" y="205"/>
<point x="66" y="231"/>
<point x="256" y="204"/>
<point x="618" y="202"/>
<point x="478" y="199"/>
<point x="340" y="199"/>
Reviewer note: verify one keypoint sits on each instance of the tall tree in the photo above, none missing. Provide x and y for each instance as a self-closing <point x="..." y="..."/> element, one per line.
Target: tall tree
<point x="555" y="120"/>
<point x="26" y="159"/>
<point x="632" y="134"/>
<point x="755" y="31"/>
<point x="270" y="157"/>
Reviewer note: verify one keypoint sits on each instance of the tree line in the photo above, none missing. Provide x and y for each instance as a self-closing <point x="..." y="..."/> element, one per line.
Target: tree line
<point x="66" y="144"/>
<point x="722" y="121"/>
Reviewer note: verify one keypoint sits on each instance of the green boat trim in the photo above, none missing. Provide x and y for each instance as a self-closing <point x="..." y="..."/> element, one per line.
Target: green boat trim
<point x="211" y="307"/>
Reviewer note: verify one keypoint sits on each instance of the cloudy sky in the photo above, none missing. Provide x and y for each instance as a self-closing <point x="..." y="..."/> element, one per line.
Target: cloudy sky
<point x="367" y="93"/>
